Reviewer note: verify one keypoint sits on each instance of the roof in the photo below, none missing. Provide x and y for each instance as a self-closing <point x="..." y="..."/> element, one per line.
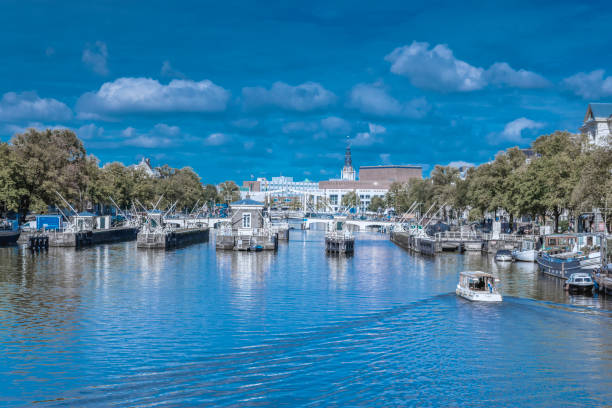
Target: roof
<point x="476" y="274"/>
<point x="247" y="202"/>
<point x="392" y="166"/>
<point x="598" y="110"/>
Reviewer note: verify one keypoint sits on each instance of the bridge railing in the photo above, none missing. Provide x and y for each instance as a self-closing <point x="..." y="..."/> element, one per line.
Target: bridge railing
<point x="458" y="236"/>
<point x="508" y="237"/>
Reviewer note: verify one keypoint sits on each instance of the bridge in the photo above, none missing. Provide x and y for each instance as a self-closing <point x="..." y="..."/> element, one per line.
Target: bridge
<point x="351" y="225"/>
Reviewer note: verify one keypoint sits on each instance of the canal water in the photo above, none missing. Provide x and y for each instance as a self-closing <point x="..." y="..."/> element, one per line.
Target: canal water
<point x="117" y="326"/>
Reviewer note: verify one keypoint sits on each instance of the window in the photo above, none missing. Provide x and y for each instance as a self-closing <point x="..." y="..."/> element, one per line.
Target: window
<point x="333" y="199"/>
<point x="246" y="220"/>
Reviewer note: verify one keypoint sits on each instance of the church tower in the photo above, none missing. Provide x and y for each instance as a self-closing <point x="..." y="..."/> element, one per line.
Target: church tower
<point x="348" y="172"/>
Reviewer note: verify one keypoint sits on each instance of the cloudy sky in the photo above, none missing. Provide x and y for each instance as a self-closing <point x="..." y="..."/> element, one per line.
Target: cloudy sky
<point x="237" y="89"/>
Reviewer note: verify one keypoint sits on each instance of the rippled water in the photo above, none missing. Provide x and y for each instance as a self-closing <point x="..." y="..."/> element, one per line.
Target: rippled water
<point x="117" y="326"/>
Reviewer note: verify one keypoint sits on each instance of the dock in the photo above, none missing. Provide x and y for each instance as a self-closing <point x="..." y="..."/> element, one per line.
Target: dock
<point x="171" y="238"/>
<point x="337" y="242"/>
<point x="456" y="241"/>
<point x="249" y="241"/>
<point x="79" y="239"/>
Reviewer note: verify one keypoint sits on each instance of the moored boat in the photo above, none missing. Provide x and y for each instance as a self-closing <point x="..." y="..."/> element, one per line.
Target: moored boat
<point x="478" y="286"/>
<point x="526" y="253"/>
<point x="503" y="255"/>
<point x="580" y="282"/>
<point x="564" y="254"/>
<point x="8" y="233"/>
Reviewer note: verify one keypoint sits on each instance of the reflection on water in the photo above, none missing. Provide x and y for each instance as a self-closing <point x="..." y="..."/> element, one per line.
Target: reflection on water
<point x="115" y="325"/>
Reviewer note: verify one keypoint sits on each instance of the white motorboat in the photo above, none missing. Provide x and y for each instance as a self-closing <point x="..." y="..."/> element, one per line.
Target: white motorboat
<point x="527" y="252"/>
<point x="478" y="286"/>
<point x="503" y="255"/>
<point x="580" y="282"/>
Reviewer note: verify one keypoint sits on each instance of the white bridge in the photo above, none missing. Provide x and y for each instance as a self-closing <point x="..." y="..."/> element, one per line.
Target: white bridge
<point x="352" y="225"/>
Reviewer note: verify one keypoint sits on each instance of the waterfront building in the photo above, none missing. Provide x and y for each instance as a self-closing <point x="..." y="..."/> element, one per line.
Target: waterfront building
<point x="374" y="181"/>
<point x="146" y="167"/>
<point x="597" y="125"/>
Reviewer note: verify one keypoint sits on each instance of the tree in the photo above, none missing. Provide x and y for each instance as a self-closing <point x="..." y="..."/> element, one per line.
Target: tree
<point x="211" y="195"/>
<point x="45" y="162"/>
<point x="555" y="171"/>
<point x="350" y="200"/>
<point x="229" y="192"/>
<point x="376" y="204"/>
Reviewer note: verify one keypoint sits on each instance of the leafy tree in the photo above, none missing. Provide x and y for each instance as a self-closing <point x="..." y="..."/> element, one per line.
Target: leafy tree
<point x="376" y="204"/>
<point x="229" y="192"/>
<point x="44" y="162"/>
<point x="350" y="200"/>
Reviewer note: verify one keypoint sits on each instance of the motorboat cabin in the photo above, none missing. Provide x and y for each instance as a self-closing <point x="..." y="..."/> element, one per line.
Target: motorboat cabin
<point x="478" y="286"/>
<point x="580" y="282"/>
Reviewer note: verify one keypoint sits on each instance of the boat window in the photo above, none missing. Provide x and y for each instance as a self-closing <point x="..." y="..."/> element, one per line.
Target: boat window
<point x="578" y="280"/>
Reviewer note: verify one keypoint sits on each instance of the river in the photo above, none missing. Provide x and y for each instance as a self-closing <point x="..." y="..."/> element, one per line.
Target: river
<point x="113" y="325"/>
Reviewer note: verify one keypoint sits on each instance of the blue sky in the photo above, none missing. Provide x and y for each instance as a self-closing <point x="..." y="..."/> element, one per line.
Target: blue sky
<point x="240" y="89"/>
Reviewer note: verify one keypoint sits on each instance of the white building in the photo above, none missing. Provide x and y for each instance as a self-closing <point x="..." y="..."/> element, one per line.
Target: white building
<point x="597" y="124"/>
<point x="145" y="166"/>
<point x="287" y="184"/>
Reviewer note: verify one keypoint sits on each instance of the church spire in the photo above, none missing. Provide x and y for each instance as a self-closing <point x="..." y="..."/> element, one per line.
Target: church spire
<point x="348" y="172"/>
<point x="348" y="161"/>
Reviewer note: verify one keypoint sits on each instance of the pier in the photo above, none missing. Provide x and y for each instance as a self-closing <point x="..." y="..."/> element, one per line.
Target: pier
<point x="78" y="239"/>
<point x="338" y="242"/>
<point x="457" y="241"/>
<point x="171" y="238"/>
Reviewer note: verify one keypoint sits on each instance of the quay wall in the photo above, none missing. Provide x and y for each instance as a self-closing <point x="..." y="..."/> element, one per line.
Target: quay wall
<point x="172" y="239"/>
<point x="424" y="246"/>
<point x="82" y="238"/>
<point x="245" y="242"/>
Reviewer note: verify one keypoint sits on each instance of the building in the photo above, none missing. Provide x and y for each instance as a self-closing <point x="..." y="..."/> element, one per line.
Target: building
<point x="247" y="215"/>
<point x="597" y="125"/>
<point x="348" y="172"/>
<point x="145" y="166"/>
<point x="284" y="184"/>
<point x="374" y="181"/>
<point x="387" y="175"/>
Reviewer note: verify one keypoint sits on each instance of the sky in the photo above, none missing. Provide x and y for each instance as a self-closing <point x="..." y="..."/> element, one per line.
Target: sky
<point x="241" y="89"/>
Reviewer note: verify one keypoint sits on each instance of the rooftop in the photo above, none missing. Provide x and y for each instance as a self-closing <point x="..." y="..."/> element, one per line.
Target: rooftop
<point x="599" y="110"/>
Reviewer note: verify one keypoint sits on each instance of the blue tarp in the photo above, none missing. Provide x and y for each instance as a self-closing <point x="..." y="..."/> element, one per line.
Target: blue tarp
<point x="49" y="222"/>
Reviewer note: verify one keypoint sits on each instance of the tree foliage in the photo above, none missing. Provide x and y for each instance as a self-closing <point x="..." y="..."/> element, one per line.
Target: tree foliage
<point x="36" y="164"/>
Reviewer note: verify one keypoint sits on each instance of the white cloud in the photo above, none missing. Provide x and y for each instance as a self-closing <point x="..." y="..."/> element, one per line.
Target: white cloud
<point x="146" y="95"/>
<point x="592" y="85"/>
<point x="513" y="131"/>
<point x="374" y="128"/>
<point x="461" y="163"/>
<point x="161" y="135"/>
<point x="369" y="138"/>
<point x="365" y="139"/>
<point x="336" y="125"/>
<point x="90" y="131"/>
<point x="371" y="99"/>
<point x="501" y="73"/>
<point x="95" y="56"/>
<point x="385" y="158"/>
<point x="164" y="129"/>
<point x="302" y="98"/>
<point x="29" y="106"/>
<point x="168" y="71"/>
<point x="438" y="69"/>
<point x="217" y="139"/>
